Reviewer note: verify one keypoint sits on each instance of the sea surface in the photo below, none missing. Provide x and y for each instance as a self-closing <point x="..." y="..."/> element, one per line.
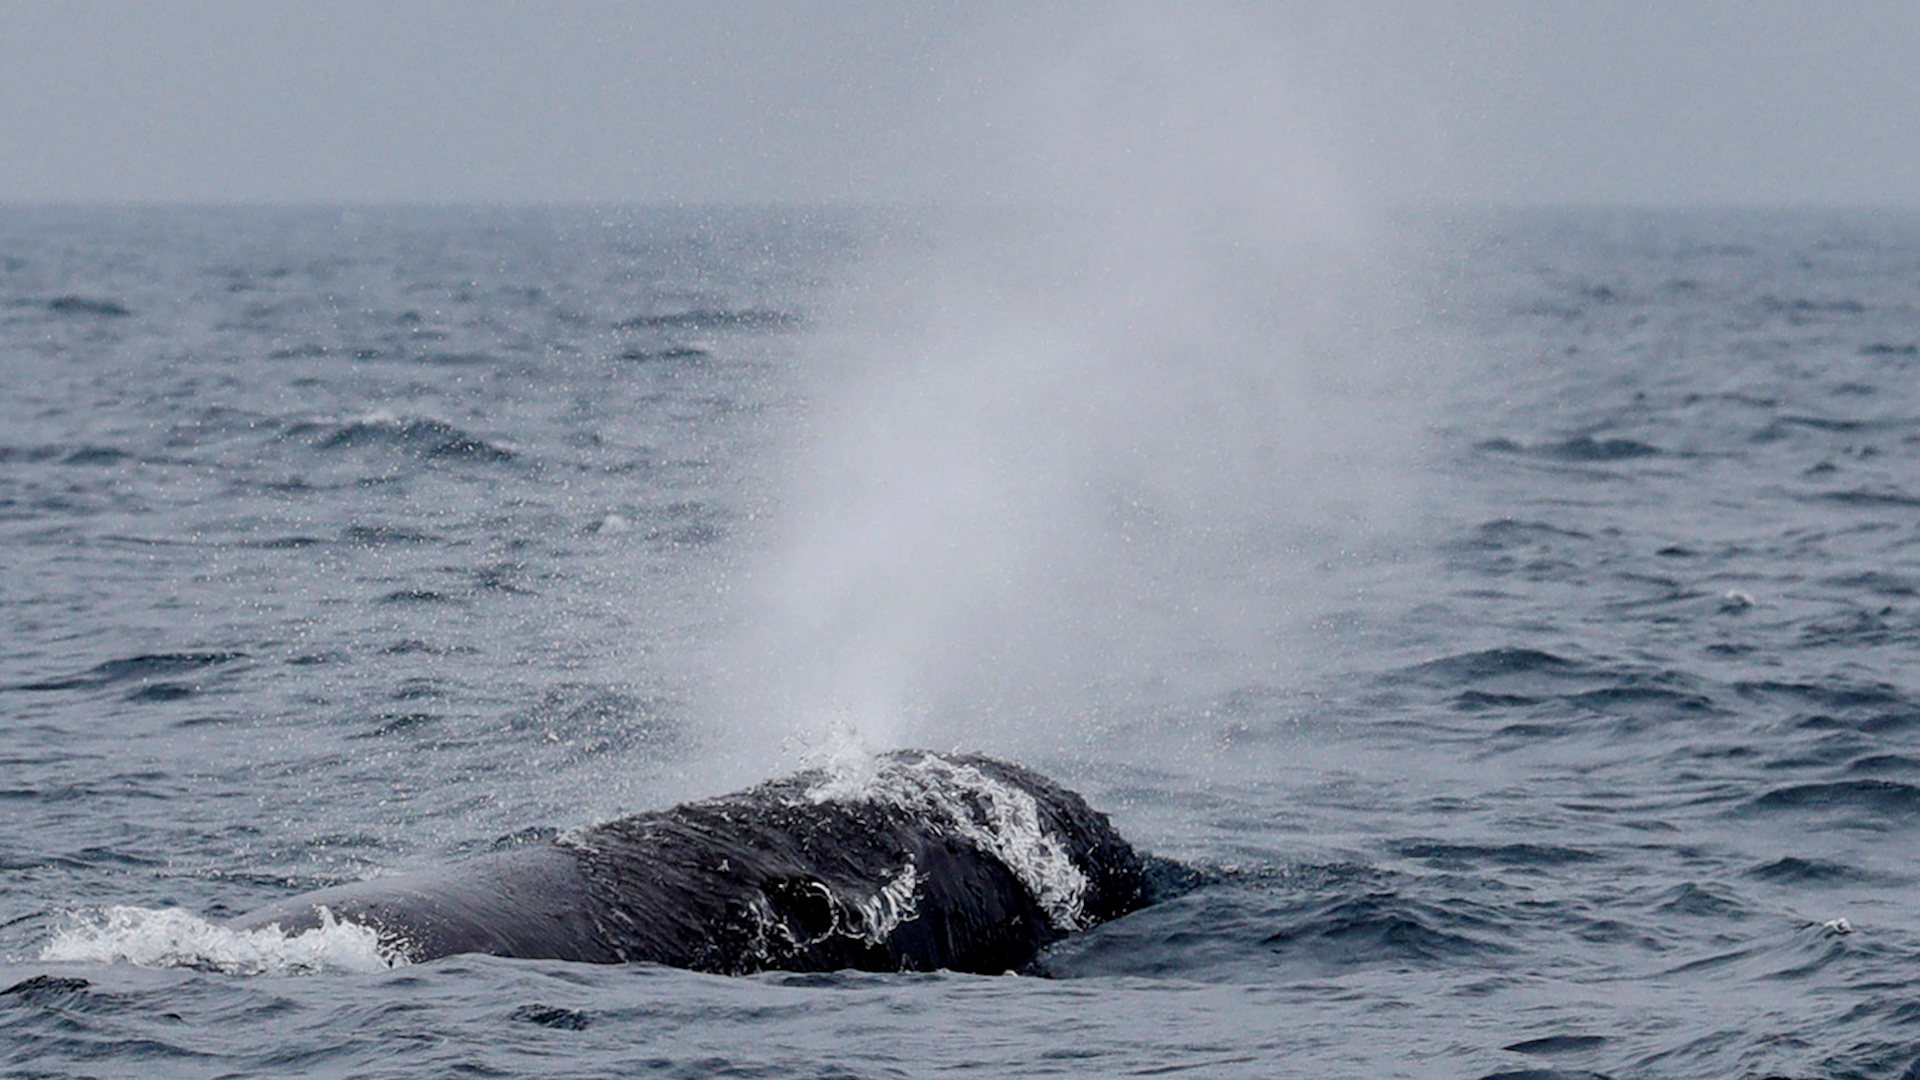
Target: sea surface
<point x="1584" y="742"/>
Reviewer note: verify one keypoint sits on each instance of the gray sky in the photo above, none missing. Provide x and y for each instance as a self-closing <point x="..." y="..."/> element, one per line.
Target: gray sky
<point x="716" y="101"/>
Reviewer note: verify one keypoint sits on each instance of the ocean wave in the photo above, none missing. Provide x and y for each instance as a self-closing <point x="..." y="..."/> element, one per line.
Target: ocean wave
<point x="379" y="536"/>
<point x="1554" y="1044"/>
<point x="1798" y="870"/>
<point x="1837" y="695"/>
<point x="1870" y="498"/>
<point x="1455" y="855"/>
<point x="91" y="307"/>
<point x="1388" y="928"/>
<point x="670" y="352"/>
<point x="143" y="667"/>
<point x="1802" y="310"/>
<point x="760" y="319"/>
<point x="1490" y="664"/>
<point x="1876" y="795"/>
<point x="421" y="437"/>
<point x="1579" y="448"/>
<point x="86" y="454"/>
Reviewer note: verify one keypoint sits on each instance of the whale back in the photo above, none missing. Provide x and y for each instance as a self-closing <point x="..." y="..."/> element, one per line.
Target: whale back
<point x="935" y="861"/>
<point x="527" y="902"/>
<point x="932" y="861"/>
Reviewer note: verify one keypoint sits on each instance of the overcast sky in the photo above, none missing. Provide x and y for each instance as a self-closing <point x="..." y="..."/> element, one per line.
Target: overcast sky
<point x="1578" y="101"/>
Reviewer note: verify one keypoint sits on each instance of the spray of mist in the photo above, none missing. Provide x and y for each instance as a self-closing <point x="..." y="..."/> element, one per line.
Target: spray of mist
<point x="1074" y="453"/>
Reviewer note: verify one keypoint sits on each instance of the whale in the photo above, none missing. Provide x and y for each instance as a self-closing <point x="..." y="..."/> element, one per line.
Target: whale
<point x="928" y="861"/>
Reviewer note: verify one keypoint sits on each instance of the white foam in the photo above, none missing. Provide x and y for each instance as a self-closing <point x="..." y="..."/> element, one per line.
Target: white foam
<point x="996" y="817"/>
<point x="898" y="901"/>
<point x="871" y="919"/>
<point x="170" y="937"/>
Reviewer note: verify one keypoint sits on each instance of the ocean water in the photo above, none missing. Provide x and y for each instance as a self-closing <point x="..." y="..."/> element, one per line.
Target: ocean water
<point x="342" y="543"/>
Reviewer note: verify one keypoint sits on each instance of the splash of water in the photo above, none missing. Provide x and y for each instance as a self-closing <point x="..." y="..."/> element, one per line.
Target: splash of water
<point x="840" y="753"/>
<point x="169" y="937"/>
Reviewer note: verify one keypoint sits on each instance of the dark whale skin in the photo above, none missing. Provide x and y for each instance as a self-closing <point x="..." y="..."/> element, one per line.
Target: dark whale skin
<point x="959" y="862"/>
<point x="528" y="902"/>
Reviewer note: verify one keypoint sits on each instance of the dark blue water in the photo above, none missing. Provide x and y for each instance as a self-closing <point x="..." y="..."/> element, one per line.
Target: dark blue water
<point x="340" y="544"/>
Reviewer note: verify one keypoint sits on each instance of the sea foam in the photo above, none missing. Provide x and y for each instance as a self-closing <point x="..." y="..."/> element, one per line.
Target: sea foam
<point x="170" y="937"/>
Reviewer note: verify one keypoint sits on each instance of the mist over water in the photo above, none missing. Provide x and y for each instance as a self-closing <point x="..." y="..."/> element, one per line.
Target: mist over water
<point x="1082" y="449"/>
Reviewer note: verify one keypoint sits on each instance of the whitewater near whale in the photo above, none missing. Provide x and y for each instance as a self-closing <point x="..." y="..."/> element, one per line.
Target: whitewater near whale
<point x="932" y="861"/>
